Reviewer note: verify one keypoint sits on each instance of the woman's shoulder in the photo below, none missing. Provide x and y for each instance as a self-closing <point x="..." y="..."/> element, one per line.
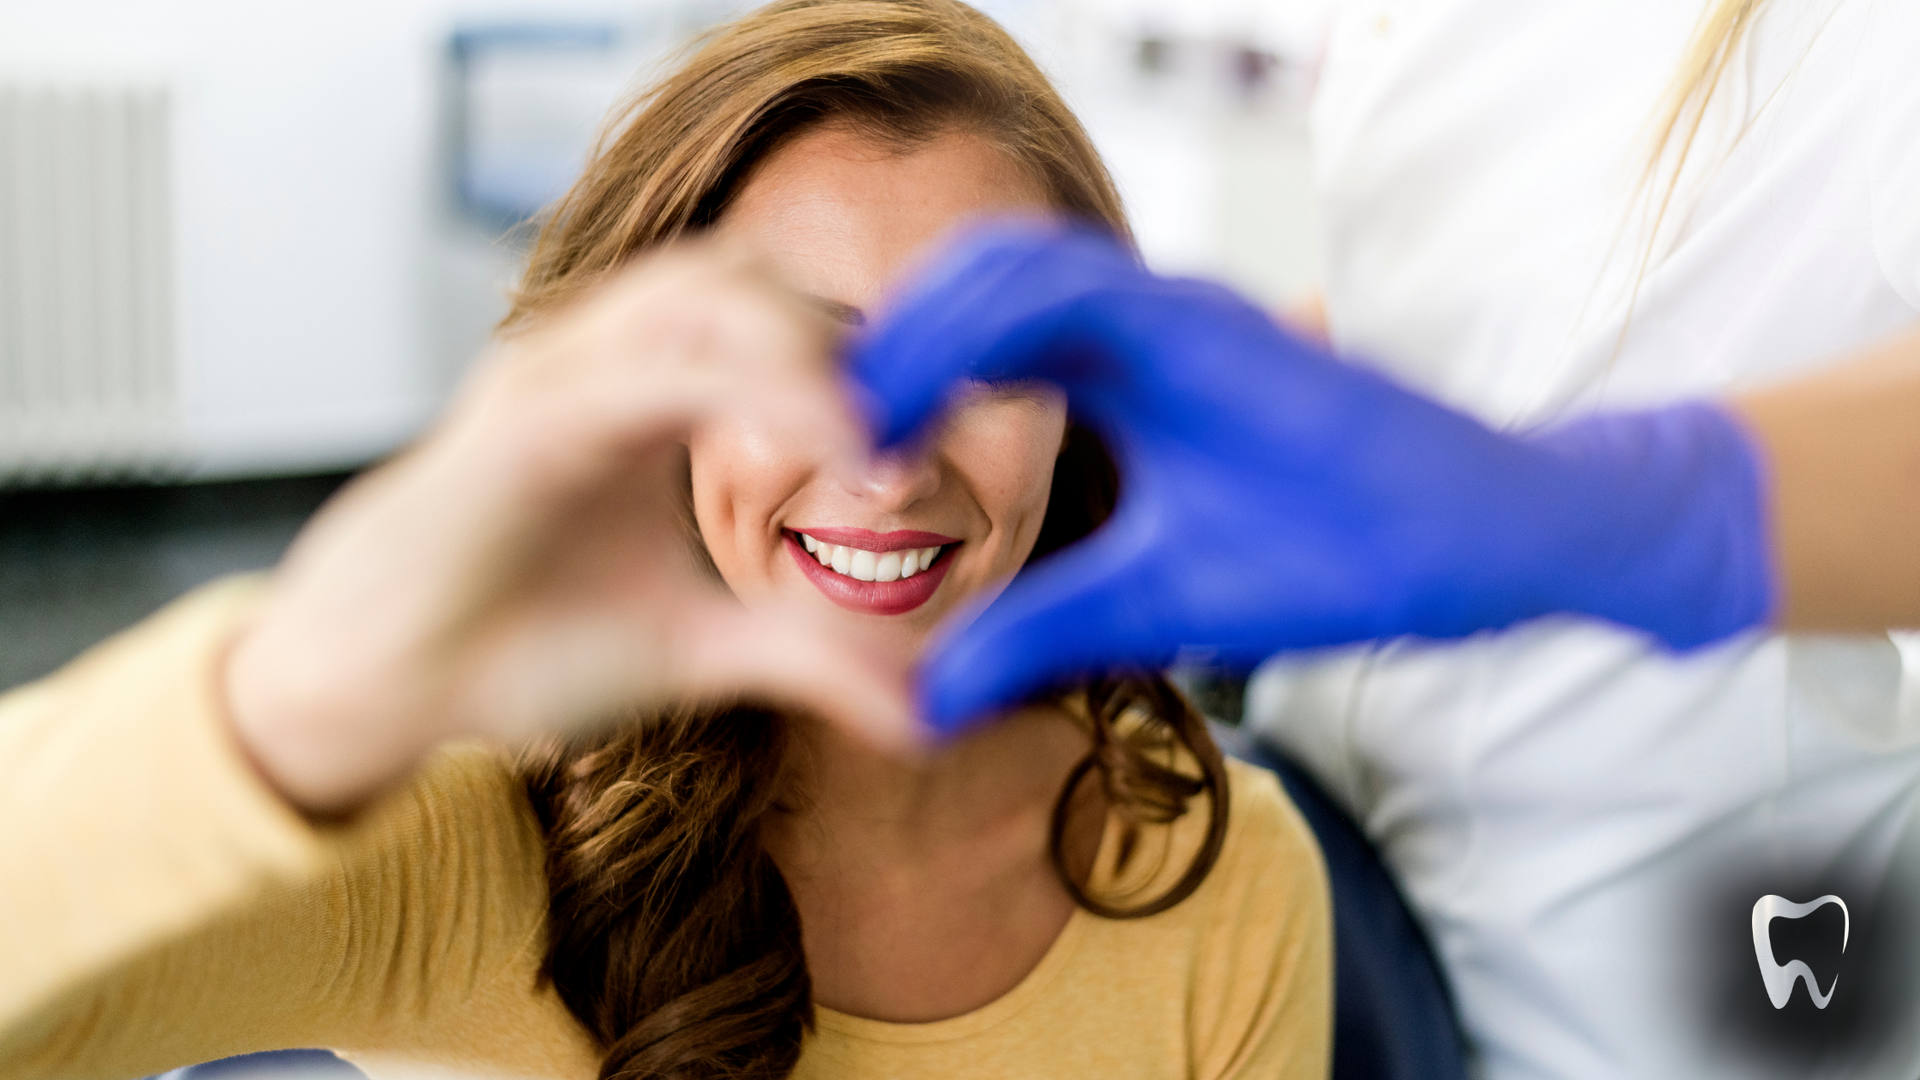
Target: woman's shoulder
<point x="1266" y="834"/>
<point x="1235" y="980"/>
<point x="1268" y="851"/>
<point x="1269" y="880"/>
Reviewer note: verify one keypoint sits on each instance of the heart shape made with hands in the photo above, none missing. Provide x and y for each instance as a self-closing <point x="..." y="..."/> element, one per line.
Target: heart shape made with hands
<point x="528" y="566"/>
<point x="1276" y="497"/>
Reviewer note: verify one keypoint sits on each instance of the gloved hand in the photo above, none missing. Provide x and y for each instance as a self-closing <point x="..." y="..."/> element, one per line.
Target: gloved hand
<point x="1276" y="498"/>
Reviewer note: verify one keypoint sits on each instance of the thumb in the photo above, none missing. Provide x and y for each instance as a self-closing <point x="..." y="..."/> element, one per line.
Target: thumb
<point x="1077" y="613"/>
<point x="791" y="658"/>
<point x="996" y="305"/>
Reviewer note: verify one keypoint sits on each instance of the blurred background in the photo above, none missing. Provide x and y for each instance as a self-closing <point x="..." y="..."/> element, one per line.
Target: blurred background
<point x="248" y="248"/>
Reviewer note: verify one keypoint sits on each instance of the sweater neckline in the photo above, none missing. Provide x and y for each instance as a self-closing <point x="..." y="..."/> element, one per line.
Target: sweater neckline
<point x="993" y="1012"/>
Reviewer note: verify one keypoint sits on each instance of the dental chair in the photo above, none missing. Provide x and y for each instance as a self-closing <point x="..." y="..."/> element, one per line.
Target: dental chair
<point x="1393" y="1018"/>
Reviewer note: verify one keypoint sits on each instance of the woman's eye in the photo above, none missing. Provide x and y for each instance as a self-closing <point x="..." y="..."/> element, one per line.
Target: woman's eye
<point x="1008" y="387"/>
<point x="1033" y="393"/>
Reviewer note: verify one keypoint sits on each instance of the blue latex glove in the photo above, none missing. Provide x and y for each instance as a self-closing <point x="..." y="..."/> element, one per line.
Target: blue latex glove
<point x="1275" y="498"/>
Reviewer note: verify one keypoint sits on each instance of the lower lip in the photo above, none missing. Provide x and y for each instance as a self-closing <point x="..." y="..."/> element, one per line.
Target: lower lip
<point x="871" y="597"/>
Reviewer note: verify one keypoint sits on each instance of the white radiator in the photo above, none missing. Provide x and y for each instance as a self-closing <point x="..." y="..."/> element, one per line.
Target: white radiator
<point x="87" y="341"/>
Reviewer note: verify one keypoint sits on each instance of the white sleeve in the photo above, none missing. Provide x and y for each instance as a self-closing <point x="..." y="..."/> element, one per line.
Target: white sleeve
<point x="1303" y="705"/>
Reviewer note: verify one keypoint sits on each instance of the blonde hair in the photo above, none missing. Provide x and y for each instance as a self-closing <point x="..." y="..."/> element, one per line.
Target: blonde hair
<point x="1682" y="110"/>
<point x="1716" y="41"/>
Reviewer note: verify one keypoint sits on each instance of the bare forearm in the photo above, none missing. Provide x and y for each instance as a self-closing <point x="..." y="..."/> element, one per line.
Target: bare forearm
<point x="1842" y="449"/>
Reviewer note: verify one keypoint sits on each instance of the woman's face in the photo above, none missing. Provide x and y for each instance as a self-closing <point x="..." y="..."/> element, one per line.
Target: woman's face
<point x="899" y="546"/>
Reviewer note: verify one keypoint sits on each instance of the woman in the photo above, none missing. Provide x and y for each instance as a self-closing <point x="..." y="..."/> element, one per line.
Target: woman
<point x="639" y="499"/>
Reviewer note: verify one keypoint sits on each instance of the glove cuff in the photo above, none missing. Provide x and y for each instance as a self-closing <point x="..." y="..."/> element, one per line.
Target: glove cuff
<point x="1674" y="537"/>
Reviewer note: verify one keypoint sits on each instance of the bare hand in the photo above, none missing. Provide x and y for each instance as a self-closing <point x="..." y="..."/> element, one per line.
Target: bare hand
<point x="531" y="565"/>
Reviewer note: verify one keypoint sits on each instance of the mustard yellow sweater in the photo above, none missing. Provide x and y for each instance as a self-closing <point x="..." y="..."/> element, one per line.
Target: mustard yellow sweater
<point x="160" y="906"/>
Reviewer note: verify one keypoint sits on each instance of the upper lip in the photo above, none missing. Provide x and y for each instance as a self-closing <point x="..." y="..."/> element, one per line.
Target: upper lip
<point x="868" y="540"/>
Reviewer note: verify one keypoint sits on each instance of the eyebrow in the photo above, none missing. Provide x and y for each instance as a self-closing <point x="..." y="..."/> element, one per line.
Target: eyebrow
<point x="838" y="311"/>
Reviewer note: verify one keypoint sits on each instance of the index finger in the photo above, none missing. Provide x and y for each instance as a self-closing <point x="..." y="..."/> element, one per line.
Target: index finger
<point x="996" y="305"/>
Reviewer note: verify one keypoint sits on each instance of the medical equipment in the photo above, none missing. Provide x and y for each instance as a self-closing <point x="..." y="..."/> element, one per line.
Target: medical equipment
<point x="1277" y="498"/>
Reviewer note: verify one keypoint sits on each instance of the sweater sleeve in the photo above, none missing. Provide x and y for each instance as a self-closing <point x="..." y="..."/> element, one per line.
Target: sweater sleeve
<point x="164" y="906"/>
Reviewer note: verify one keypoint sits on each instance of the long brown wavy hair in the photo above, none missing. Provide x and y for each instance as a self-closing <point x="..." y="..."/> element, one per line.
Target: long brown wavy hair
<point x="671" y="933"/>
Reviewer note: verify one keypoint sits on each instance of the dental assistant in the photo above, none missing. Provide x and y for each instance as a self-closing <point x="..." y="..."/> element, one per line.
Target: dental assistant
<point x="1640" y="425"/>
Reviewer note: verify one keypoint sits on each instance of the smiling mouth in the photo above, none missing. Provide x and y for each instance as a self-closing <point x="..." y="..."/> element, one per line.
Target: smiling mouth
<point x="873" y="573"/>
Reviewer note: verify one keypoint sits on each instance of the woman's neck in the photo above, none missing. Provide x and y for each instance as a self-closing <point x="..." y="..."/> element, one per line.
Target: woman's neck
<point x="1009" y="768"/>
<point x="925" y="887"/>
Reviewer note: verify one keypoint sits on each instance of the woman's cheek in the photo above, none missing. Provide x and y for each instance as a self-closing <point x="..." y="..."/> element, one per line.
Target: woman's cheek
<point x="741" y="477"/>
<point x="1007" y="450"/>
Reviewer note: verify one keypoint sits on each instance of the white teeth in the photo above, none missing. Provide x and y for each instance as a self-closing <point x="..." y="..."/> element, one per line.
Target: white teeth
<point x="870" y="565"/>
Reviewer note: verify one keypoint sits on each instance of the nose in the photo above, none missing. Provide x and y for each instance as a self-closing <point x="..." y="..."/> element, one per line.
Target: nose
<point x="895" y="481"/>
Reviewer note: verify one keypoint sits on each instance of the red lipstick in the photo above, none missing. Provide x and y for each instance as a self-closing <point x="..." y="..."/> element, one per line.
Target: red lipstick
<point x="873" y="597"/>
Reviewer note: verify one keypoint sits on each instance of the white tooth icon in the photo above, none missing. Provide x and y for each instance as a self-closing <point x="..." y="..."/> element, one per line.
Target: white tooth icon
<point x="888" y="568"/>
<point x="1780" y="978"/>
<point x="809" y="542"/>
<point x="842" y="558"/>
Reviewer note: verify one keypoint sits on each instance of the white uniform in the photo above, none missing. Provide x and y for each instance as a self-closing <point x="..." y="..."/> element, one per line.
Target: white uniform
<point x="1559" y="799"/>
